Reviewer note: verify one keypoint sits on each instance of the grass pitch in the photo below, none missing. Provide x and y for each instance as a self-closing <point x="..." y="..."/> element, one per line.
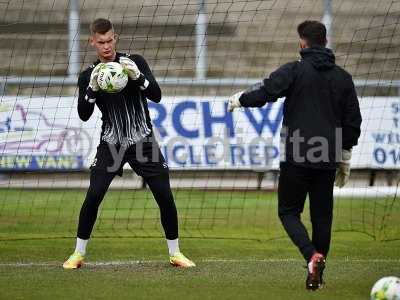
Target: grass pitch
<point x="234" y="237"/>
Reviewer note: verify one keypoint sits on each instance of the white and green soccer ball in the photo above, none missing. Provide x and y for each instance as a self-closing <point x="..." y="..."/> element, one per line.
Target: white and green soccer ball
<point x="386" y="288"/>
<point x="112" y="77"/>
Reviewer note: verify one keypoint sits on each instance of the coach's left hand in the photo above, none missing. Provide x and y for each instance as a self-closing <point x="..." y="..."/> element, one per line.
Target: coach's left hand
<point x="131" y="67"/>
<point x="233" y="101"/>
<point x="343" y="170"/>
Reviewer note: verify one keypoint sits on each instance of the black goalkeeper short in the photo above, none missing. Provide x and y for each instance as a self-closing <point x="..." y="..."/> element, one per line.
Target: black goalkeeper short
<point x="145" y="158"/>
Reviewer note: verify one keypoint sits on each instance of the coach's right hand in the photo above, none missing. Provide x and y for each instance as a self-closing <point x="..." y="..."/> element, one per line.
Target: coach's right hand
<point x="343" y="170"/>
<point x="93" y="78"/>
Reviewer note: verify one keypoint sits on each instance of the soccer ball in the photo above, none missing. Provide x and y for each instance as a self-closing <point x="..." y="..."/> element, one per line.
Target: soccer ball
<point x="386" y="288"/>
<point x="112" y="77"/>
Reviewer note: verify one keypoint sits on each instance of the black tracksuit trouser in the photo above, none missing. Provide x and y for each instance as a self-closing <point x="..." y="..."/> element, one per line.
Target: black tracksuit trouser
<point x="295" y="183"/>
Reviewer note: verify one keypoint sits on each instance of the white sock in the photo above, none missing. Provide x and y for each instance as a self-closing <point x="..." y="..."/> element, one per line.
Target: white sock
<point x="81" y="246"/>
<point x="173" y="246"/>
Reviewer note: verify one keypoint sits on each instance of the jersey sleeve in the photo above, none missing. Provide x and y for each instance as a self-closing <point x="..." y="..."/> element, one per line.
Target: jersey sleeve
<point x="86" y="98"/>
<point x="147" y="82"/>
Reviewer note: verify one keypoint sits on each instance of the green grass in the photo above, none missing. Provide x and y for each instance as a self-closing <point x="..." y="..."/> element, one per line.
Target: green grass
<point x="214" y="227"/>
<point x="244" y="214"/>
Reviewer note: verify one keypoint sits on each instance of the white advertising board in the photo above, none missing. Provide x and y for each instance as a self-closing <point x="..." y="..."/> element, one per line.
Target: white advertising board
<point x="45" y="133"/>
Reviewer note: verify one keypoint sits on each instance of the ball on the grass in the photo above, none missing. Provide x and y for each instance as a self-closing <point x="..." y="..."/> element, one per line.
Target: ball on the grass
<point x="112" y="77"/>
<point x="386" y="288"/>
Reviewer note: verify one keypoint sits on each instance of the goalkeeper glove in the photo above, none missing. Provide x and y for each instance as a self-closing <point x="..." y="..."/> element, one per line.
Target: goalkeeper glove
<point x="130" y="66"/>
<point x="93" y="84"/>
<point x="233" y="101"/>
<point x="343" y="170"/>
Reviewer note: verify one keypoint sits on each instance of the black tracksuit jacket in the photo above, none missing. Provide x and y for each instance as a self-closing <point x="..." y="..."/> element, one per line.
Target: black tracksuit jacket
<point x="320" y="99"/>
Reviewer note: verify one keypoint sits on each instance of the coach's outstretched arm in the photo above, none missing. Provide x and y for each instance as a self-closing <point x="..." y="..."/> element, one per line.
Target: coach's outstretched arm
<point x="270" y="89"/>
<point x="87" y="93"/>
<point x="139" y="71"/>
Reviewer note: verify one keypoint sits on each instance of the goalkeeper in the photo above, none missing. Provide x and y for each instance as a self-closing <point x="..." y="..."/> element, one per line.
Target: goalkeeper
<point x="126" y="137"/>
<point x="321" y="124"/>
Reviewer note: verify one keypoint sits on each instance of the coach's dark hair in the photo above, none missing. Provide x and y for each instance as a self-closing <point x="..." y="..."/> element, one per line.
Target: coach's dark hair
<point x="313" y="32"/>
<point x="101" y="26"/>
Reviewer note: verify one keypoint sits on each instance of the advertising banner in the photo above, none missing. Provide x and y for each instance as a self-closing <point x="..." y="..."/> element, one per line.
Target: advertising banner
<point x="45" y="133"/>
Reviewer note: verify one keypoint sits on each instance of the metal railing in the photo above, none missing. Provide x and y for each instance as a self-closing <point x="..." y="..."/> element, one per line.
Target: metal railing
<point x="200" y="78"/>
<point x="47" y="81"/>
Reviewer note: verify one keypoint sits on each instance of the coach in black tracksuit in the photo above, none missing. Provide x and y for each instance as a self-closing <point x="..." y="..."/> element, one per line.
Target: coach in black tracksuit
<point x="321" y="124"/>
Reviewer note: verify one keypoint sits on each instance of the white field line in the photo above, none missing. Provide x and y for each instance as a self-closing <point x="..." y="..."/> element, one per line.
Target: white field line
<point x="144" y="262"/>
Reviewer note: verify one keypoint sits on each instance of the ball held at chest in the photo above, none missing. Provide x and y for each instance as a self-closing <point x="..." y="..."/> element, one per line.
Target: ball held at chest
<point x="112" y="77"/>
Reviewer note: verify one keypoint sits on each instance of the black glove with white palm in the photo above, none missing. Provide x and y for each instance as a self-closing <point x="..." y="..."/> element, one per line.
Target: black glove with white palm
<point x="133" y="72"/>
<point x="130" y="66"/>
<point x="93" y="84"/>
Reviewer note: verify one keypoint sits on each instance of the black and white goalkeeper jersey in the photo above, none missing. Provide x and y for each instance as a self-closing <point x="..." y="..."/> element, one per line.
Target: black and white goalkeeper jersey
<point x="125" y="115"/>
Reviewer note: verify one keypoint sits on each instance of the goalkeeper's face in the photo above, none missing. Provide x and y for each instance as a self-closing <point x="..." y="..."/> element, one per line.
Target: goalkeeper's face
<point x="104" y="43"/>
